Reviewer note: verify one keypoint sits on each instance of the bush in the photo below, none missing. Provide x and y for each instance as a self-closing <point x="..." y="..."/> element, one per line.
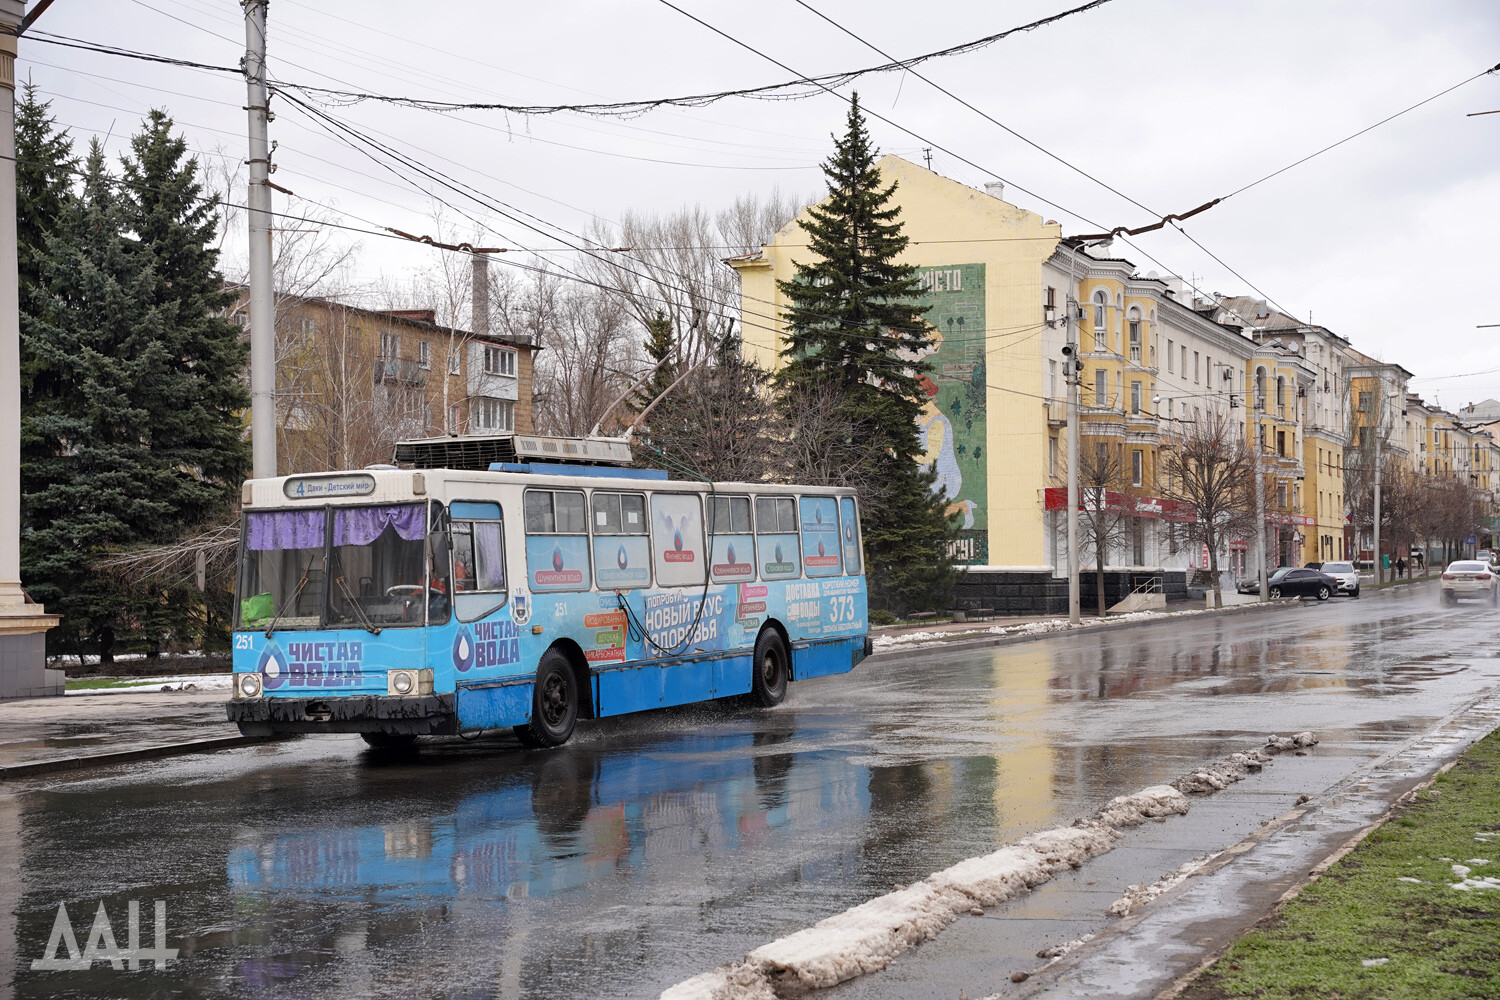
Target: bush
<point x="882" y="617"/>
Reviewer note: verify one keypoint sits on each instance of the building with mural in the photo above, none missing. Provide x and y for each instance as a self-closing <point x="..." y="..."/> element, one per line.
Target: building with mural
<point x="1158" y="357"/>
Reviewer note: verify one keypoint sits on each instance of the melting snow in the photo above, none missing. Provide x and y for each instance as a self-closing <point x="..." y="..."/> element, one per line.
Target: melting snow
<point x="1371" y="963"/>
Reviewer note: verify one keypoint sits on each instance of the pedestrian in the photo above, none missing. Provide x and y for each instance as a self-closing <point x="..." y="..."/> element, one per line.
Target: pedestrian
<point x="1400" y="568"/>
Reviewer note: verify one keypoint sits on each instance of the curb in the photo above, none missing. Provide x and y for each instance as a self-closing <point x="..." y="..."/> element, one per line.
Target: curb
<point x="10" y="772"/>
<point x="1006" y="640"/>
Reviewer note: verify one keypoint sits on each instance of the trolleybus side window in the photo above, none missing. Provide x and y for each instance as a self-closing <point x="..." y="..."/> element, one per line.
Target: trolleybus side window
<point x="478" y="559"/>
<point x="379" y="566"/>
<point x="677" y="539"/>
<point x="731" y="557"/>
<point x="557" y="540"/>
<point x="622" y="548"/>
<point x="282" y="576"/>
<point x="849" y="533"/>
<point x="820" y="536"/>
<point x="777" y="551"/>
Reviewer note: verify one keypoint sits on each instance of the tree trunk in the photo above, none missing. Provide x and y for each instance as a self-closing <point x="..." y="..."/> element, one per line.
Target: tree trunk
<point x="1099" y="576"/>
<point x="1213" y="569"/>
<point x="107" y="644"/>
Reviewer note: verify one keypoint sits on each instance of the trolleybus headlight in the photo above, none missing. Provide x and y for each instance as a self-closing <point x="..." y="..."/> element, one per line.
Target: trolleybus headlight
<point x="249" y="685"/>
<point x="402" y="682"/>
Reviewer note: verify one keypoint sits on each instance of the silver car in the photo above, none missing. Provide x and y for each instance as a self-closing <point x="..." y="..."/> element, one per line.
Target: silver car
<point x="1469" y="578"/>
<point x="1346" y="575"/>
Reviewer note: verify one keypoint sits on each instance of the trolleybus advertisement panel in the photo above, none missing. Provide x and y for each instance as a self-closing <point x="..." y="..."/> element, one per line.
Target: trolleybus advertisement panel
<point x="820" y="536"/>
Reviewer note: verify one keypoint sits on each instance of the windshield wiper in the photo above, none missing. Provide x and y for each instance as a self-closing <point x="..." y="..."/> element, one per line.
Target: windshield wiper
<point x="364" y="621"/>
<point x="291" y="600"/>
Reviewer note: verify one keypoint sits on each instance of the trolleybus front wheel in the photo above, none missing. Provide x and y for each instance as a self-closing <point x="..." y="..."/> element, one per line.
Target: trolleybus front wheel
<point x="554" y="703"/>
<point x="771" y="669"/>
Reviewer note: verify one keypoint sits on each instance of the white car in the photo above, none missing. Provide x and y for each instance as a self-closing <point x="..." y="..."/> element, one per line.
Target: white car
<point x="1469" y="578"/>
<point x="1346" y="575"/>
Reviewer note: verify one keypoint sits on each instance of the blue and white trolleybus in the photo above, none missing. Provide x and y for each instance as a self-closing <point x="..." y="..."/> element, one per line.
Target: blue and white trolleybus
<point x="397" y="603"/>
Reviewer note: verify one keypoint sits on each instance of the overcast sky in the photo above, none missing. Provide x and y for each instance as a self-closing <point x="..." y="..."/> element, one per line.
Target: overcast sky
<point x="1388" y="240"/>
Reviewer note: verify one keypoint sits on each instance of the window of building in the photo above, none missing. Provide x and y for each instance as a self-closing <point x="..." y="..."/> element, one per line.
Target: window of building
<point x="1135" y="399"/>
<point x="1051" y="297"/>
<point x="495" y="414"/>
<point x="1135" y="335"/>
<point x="1101" y="387"/>
<point x="424" y="354"/>
<point x="390" y="346"/>
<point x="1052" y="456"/>
<point x="1260" y="388"/>
<point x="453" y="423"/>
<point x="1183" y="359"/>
<point x="1195" y="368"/>
<point x="1169" y="354"/>
<point x="1281" y="443"/>
<point x="1137" y="467"/>
<point x="499" y="361"/>
<point x="1101" y="301"/>
<point x="1051" y="379"/>
<point x="453" y="358"/>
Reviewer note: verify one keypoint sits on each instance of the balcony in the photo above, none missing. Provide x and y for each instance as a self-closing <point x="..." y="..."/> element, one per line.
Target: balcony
<point x="394" y="370"/>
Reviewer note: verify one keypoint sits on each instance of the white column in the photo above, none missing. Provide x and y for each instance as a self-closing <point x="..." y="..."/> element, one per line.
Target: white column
<point x="22" y="651"/>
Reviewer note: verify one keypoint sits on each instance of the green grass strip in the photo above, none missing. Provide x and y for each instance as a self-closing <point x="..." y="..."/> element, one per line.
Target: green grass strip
<point x="1438" y="942"/>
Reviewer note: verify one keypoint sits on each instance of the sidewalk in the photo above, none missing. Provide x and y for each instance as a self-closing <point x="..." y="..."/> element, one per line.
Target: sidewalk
<point x="44" y="734"/>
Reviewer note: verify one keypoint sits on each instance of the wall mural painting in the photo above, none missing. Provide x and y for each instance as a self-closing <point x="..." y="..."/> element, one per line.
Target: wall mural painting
<point x="952" y="425"/>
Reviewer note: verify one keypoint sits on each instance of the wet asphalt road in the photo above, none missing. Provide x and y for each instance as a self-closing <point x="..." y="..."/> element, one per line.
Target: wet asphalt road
<point x="655" y="847"/>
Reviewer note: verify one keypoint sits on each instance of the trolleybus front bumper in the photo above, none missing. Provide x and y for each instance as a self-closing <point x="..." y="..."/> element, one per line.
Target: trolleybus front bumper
<point x="418" y="715"/>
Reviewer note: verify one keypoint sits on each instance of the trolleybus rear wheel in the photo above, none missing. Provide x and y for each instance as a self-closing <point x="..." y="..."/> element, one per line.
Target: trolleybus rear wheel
<point x="771" y="669"/>
<point x="554" y="703"/>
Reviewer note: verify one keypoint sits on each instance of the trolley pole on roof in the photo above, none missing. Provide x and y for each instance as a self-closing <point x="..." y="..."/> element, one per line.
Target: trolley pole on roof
<point x="262" y="300"/>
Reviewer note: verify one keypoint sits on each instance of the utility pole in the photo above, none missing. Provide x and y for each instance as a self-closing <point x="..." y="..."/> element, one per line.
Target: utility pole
<point x="1375" y="430"/>
<point x="1073" y="365"/>
<point x="1260" y="502"/>
<point x="262" y="298"/>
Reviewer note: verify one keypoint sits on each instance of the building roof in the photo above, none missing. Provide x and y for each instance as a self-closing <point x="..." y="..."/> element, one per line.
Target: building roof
<point x="421" y="319"/>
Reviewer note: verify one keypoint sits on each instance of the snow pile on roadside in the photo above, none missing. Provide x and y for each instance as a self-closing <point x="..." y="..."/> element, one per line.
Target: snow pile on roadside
<point x="147" y="685"/>
<point x="1042" y="627"/>
<point x="1140" y="895"/>
<point x="866" y="938"/>
<point x="1221" y="774"/>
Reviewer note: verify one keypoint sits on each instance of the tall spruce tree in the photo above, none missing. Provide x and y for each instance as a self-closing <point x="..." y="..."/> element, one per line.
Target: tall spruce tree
<point x="45" y="166"/>
<point x="130" y="425"/>
<point x="855" y="332"/>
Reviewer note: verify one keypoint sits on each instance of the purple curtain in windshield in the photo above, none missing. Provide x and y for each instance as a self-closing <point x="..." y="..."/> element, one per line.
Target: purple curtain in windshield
<point x="362" y="525"/>
<point x="284" y="529"/>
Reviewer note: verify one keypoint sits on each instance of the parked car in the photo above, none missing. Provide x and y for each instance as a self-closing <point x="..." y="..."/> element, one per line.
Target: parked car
<point x="1346" y="575"/>
<point x="1251" y="584"/>
<point x="1302" y="583"/>
<point x="1469" y="578"/>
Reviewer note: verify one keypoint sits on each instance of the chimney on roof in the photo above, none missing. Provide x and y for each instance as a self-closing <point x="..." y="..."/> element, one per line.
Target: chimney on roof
<point x="479" y="321"/>
<point x="995" y="189"/>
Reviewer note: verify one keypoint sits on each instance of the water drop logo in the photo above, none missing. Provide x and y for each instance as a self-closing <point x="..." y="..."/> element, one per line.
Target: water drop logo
<point x="819" y="515"/>
<point x="677" y="540"/>
<point x="272" y="666"/>
<point x="820" y="548"/>
<point x="621" y="559"/>
<point x="849" y="534"/>
<point x="778" y="553"/>
<point x="731" y="555"/>
<point x="557" y="559"/>
<point x="463" y="648"/>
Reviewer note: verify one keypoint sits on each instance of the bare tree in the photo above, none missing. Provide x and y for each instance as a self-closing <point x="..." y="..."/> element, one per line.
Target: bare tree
<point x="588" y="351"/>
<point x="675" y="265"/>
<point x="1106" y="512"/>
<point x="716" y="423"/>
<point x="1210" y="469"/>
